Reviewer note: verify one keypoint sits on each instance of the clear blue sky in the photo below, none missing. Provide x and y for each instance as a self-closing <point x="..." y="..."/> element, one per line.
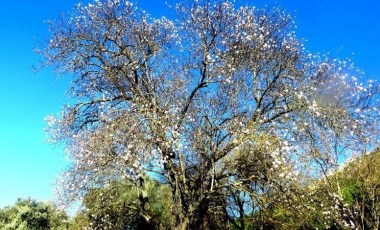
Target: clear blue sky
<point x="28" y="165"/>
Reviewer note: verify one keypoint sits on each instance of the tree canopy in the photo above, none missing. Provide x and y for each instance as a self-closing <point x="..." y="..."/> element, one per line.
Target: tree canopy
<point x="27" y="214"/>
<point x="119" y="206"/>
<point x="222" y="103"/>
<point x="359" y="182"/>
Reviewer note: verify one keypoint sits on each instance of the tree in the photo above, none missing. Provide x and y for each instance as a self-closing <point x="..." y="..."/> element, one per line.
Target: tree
<point x="223" y="103"/>
<point x="121" y="206"/>
<point x="32" y="215"/>
<point x="359" y="182"/>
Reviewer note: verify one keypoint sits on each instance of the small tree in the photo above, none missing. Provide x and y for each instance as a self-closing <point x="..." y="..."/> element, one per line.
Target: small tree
<point x="224" y="103"/>
<point x="32" y="215"/>
<point x="360" y="187"/>
<point x="122" y="205"/>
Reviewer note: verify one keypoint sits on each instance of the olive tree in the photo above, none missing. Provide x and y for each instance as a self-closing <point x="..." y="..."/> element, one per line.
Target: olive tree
<point x="223" y="102"/>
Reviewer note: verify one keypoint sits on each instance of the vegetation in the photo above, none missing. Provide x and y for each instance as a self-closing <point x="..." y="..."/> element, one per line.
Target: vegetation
<point x="124" y="205"/>
<point x="223" y="105"/>
<point x="27" y="214"/>
<point x="360" y="189"/>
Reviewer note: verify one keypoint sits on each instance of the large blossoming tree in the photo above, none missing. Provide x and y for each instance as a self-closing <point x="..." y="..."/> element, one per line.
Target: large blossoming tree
<point x="223" y="104"/>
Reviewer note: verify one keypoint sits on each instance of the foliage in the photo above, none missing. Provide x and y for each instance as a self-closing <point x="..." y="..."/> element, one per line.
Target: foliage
<point x="32" y="215"/>
<point x="347" y="198"/>
<point x="122" y="205"/>
<point x="360" y="187"/>
<point x="79" y="222"/>
<point x="224" y="103"/>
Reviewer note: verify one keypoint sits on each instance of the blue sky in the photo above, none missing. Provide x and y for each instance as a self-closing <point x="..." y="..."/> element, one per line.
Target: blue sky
<point x="28" y="165"/>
